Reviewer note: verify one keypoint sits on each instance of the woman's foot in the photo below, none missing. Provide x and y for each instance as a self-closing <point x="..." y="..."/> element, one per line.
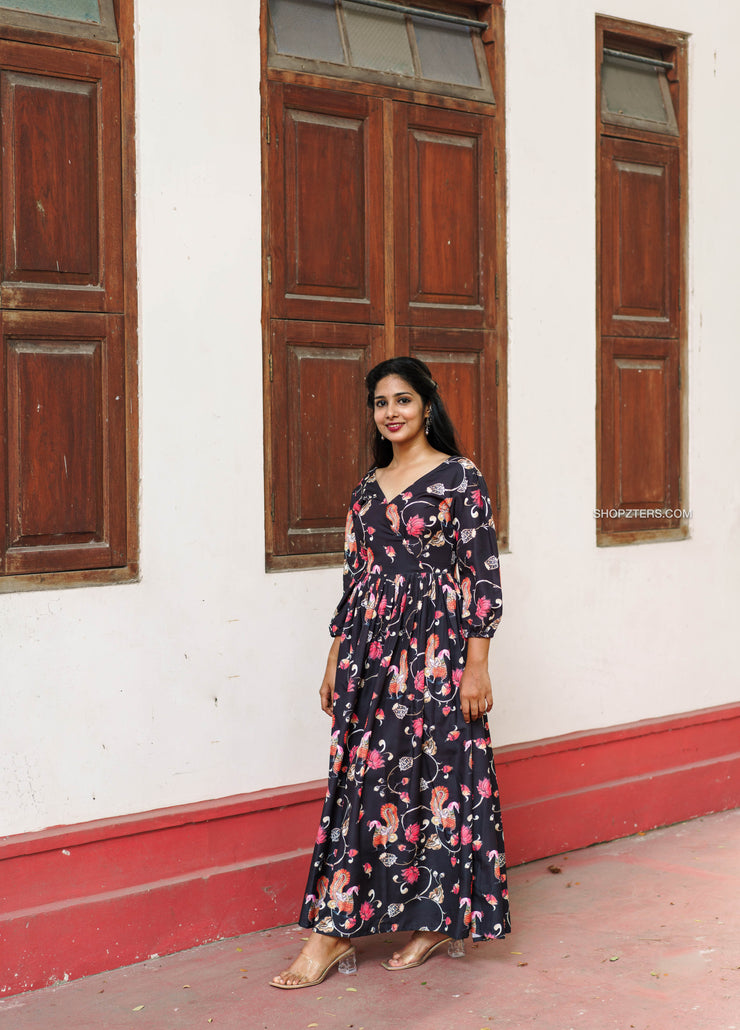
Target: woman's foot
<point x="319" y="954"/>
<point x="419" y="948"/>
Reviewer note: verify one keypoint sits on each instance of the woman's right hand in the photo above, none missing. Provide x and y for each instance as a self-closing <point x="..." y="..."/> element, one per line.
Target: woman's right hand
<point x="326" y="690"/>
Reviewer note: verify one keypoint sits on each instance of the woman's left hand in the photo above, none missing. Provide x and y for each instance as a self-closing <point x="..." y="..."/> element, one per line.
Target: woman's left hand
<point x="476" y="694"/>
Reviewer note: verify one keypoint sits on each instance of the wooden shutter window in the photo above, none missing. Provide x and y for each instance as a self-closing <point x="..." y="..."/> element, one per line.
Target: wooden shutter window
<point x="66" y="324"/>
<point x="383" y="229"/>
<point x="641" y="318"/>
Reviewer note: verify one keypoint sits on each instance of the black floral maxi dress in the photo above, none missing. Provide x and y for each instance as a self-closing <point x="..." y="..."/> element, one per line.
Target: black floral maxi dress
<point x="410" y="835"/>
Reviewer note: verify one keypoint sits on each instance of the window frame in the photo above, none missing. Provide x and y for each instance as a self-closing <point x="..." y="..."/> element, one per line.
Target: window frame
<point x="66" y="31"/>
<point x="370" y="85"/>
<point x="670" y="45"/>
<point x="49" y="31"/>
<point x="355" y="73"/>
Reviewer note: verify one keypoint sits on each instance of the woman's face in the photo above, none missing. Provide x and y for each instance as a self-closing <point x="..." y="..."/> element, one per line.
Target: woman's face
<point x="398" y="410"/>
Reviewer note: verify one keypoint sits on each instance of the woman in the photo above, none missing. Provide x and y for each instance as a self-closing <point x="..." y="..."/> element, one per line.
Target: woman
<point x="410" y="835"/>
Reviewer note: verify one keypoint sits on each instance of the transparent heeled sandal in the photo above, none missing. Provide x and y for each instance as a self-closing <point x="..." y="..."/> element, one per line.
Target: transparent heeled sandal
<point x="345" y="963"/>
<point x="455" y="949"/>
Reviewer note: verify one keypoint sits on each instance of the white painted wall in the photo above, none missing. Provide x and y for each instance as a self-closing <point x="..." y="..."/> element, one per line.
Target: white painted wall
<point x="201" y="680"/>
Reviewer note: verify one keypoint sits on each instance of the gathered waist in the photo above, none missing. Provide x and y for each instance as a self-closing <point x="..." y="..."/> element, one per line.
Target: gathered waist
<point x="377" y="575"/>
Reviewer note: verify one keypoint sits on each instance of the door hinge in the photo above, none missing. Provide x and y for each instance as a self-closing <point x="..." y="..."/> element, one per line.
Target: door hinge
<point x="269" y="364"/>
<point x="269" y="269"/>
<point x="496" y="371"/>
<point x="495" y="286"/>
<point x="495" y="162"/>
<point x="267" y="129"/>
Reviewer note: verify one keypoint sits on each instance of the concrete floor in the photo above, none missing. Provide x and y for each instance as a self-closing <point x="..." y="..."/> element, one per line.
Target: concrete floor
<point x="640" y="933"/>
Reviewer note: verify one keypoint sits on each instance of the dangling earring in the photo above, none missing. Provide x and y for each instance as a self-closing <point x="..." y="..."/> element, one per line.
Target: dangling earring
<point x="428" y="424"/>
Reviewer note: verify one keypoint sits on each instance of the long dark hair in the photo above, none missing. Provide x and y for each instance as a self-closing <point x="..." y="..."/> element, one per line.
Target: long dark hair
<point x="414" y="372"/>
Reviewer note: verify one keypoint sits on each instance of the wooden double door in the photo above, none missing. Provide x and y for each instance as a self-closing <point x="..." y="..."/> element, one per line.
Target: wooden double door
<point x="382" y="241"/>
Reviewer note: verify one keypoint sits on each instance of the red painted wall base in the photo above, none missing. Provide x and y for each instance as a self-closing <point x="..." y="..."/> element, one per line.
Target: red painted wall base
<point x="77" y="900"/>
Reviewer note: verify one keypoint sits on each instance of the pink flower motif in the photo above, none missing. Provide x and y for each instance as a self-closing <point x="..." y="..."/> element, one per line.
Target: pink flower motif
<point x="478" y="498"/>
<point x="446" y="710"/>
<point x="376" y="649"/>
<point x="380" y="714"/>
<point x="418" y="727"/>
<point x="352" y="852"/>
<point x="366" y="910"/>
<point x="367" y="869"/>
<point x="484" y="788"/>
<point x="321" y="835"/>
<point x="477" y="845"/>
<point x="483" y="607"/>
<point x="412" y="833"/>
<point x="411" y="875"/>
<point x="419" y="680"/>
<point x="351" y="922"/>
<point x="466" y="834"/>
<point x="465" y="789"/>
<point x="453" y="735"/>
<point x="405" y="798"/>
<point x="415" y="525"/>
<point x="447" y="768"/>
<point x="375" y="760"/>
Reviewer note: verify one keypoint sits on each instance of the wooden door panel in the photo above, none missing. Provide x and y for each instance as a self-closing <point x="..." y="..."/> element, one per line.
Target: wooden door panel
<point x="444" y="218"/>
<point x="640" y="258"/>
<point x="463" y="364"/>
<point x="61" y="180"/>
<point x="320" y="427"/>
<point x="64" y="408"/>
<point x="640" y="433"/>
<point x="327" y="206"/>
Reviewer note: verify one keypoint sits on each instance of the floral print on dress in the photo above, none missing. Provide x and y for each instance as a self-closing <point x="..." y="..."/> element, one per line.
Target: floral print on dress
<point x="410" y="835"/>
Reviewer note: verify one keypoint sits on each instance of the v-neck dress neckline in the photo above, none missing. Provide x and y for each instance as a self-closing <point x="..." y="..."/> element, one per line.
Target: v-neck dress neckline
<point x="412" y="485"/>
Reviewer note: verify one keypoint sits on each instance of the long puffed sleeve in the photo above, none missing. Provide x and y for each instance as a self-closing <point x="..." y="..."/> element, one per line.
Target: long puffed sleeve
<point x="477" y="564"/>
<point x="355" y="559"/>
